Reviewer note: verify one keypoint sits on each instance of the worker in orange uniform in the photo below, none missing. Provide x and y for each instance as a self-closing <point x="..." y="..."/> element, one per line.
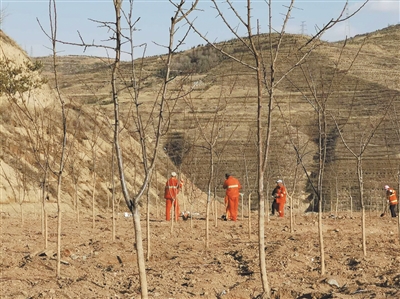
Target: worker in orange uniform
<point x="279" y="194"/>
<point x="391" y="198"/>
<point x="232" y="186"/>
<point x="172" y="188"/>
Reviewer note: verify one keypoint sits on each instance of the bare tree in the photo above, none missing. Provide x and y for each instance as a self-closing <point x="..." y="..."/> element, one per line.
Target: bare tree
<point x="363" y="142"/>
<point x="210" y="134"/>
<point x="61" y="165"/>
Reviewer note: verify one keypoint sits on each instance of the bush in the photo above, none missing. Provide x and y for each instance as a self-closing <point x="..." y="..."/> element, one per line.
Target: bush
<point x="19" y="78"/>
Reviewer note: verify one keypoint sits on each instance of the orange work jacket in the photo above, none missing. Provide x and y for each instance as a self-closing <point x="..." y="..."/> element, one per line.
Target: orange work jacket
<point x="280" y="194"/>
<point x="391" y="196"/>
<point x="172" y="187"/>
<point x="232" y="186"/>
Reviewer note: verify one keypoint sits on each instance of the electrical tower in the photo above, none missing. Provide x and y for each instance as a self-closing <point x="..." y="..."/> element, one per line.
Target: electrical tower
<point x="303" y="28"/>
<point x="347" y="24"/>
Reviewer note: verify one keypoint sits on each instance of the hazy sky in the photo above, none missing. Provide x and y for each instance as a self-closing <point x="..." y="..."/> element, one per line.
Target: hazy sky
<point x="20" y="21"/>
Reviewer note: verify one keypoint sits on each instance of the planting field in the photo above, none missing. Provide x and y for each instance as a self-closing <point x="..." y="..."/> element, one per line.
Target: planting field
<point x="181" y="267"/>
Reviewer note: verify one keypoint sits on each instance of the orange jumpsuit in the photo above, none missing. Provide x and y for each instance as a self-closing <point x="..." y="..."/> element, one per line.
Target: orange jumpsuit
<point x="232" y="186"/>
<point x="279" y="194"/>
<point x="393" y="202"/>
<point x="172" y="187"/>
<point x="228" y="216"/>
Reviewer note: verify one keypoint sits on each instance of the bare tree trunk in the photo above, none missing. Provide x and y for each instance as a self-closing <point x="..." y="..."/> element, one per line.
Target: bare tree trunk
<point x="215" y="207"/>
<point x="183" y="197"/>
<point x="76" y="209"/>
<point x="93" y="199"/>
<point x="46" y="230"/>
<point x="351" y="204"/>
<point x="59" y="213"/>
<point x="59" y="173"/>
<point x="337" y="198"/>
<point x="140" y="253"/>
<point x="113" y="193"/>
<point x="148" y="235"/>
<point x="242" y="206"/>
<point x="172" y="216"/>
<point x="398" y="204"/>
<point x="43" y="200"/>
<point x="321" y="238"/>
<point x="361" y="191"/>
<point x="157" y="198"/>
<point x="249" y="221"/>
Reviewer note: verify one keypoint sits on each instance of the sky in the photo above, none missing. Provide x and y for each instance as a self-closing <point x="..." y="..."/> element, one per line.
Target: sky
<point x="26" y="20"/>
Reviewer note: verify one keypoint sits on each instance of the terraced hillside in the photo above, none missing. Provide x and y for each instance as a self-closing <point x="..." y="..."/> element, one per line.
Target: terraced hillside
<point x="354" y="82"/>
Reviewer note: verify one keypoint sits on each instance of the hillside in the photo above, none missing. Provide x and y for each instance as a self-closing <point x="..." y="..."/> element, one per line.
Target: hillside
<point x="356" y="82"/>
<point x="31" y="134"/>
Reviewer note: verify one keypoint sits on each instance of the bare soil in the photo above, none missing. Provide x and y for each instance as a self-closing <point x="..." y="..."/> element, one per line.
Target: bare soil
<point x="180" y="267"/>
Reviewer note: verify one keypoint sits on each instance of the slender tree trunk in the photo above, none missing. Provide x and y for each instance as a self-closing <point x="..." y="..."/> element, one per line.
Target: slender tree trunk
<point x="93" y="200"/>
<point x="139" y="249"/>
<point x="321" y="238"/>
<point x="172" y="216"/>
<point x="148" y="223"/>
<point x="76" y="202"/>
<point x="157" y="198"/>
<point x="361" y="190"/>
<point x="215" y="207"/>
<point x="398" y="205"/>
<point x="249" y="221"/>
<point x="211" y="174"/>
<point x="242" y="207"/>
<point x="59" y="213"/>
<point x="46" y="230"/>
<point x="43" y="199"/>
<point x="113" y="194"/>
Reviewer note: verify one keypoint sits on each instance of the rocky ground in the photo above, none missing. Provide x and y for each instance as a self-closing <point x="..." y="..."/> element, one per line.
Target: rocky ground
<point x="181" y="267"/>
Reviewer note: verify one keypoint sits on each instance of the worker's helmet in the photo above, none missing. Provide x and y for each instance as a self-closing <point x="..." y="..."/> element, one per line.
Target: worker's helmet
<point x="173" y="173"/>
<point x="279" y="182"/>
<point x="387" y="187"/>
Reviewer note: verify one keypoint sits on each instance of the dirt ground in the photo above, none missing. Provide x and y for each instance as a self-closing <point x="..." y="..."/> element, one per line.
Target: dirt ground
<point x="179" y="266"/>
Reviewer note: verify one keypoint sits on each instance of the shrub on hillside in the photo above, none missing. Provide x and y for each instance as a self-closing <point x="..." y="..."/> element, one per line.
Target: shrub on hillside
<point x="19" y="78"/>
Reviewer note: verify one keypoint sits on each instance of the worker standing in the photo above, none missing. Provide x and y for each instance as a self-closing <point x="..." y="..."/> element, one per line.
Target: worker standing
<point x="279" y="194"/>
<point x="172" y="188"/>
<point x="391" y="198"/>
<point x="232" y="186"/>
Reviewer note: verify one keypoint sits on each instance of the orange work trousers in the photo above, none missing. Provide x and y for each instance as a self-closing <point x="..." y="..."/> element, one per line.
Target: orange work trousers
<point x="228" y="216"/>
<point x="281" y="209"/>
<point x="168" y="207"/>
<point x="233" y="205"/>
